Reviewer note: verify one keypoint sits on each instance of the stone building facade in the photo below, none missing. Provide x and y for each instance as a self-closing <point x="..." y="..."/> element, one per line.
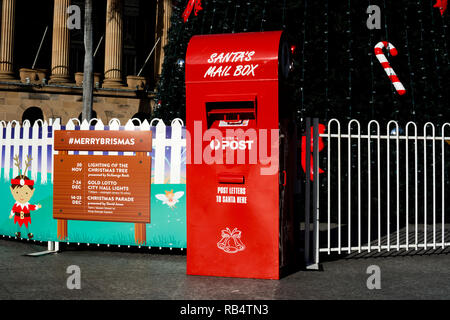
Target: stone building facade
<point x="41" y="58"/>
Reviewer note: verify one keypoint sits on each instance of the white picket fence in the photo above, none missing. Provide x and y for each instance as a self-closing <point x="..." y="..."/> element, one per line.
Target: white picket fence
<point x="382" y="189"/>
<point x="37" y="142"/>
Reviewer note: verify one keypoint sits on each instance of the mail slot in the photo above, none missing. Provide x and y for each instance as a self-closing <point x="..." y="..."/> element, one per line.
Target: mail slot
<point x="240" y="217"/>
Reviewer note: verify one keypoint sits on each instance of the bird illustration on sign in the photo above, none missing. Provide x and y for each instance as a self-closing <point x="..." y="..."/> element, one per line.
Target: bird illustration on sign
<point x="170" y="198"/>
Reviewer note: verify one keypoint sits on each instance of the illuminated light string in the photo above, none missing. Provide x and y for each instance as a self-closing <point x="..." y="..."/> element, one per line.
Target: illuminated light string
<point x="422" y="63"/>
<point x="173" y="52"/>
<point x="283" y="16"/>
<point x="385" y="20"/>
<point x="189" y="27"/>
<point x="393" y="96"/>
<point x="225" y="17"/>
<point x="263" y="17"/>
<point x="410" y="69"/>
<point x="372" y="77"/>
<point x="205" y="8"/>
<point x="212" y="16"/>
<point x="174" y="72"/>
<point x="444" y="36"/>
<point x="237" y="7"/>
<point x="350" y="58"/>
<point x="302" y="80"/>
<point x="436" y="63"/>
<point x="179" y="29"/>
<point x="249" y="4"/>
<point x="326" y="33"/>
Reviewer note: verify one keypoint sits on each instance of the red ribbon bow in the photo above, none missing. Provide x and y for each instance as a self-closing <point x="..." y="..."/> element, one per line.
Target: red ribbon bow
<point x="305" y="152"/>
<point x="442" y="5"/>
<point x="192" y="4"/>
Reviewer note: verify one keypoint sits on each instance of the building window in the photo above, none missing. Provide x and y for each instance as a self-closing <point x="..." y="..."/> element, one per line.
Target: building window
<point x="39" y="15"/>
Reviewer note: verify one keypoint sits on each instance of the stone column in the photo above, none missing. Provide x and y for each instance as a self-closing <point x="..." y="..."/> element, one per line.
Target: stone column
<point x="113" y="44"/>
<point x="7" y="40"/>
<point x="163" y="13"/>
<point x="61" y="43"/>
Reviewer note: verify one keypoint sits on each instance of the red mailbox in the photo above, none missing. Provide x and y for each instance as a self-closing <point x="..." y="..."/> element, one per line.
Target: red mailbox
<point x="241" y="141"/>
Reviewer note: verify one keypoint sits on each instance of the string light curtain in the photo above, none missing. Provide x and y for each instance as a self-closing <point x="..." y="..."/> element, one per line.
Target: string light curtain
<point x="334" y="71"/>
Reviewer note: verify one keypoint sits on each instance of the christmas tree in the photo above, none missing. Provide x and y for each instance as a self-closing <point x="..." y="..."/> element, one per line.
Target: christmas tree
<point x="335" y="73"/>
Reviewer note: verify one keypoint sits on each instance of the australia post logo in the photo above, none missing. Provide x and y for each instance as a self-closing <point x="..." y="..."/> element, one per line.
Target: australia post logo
<point x="231" y="143"/>
<point x="233" y="146"/>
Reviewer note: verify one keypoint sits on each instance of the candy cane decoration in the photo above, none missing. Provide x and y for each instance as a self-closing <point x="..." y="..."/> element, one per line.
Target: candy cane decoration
<point x="387" y="67"/>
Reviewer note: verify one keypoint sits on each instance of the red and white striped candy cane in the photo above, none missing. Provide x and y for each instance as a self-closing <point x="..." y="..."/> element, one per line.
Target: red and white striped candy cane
<point x="387" y="67"/>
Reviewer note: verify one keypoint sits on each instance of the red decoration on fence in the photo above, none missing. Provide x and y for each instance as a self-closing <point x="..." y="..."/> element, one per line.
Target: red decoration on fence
<point x="192" y="4"/>
<point x="321" y="146"/>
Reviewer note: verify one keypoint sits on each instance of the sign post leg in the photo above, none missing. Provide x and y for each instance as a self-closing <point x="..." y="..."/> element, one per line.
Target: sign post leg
<point x="140" y="234"/>
<point x="62" y="229"/>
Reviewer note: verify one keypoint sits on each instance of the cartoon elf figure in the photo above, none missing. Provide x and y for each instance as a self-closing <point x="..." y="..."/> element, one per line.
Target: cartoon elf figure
<point x="22" y="189"/>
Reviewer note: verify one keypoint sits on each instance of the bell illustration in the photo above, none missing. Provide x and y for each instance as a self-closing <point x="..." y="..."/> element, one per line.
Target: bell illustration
<point x="231" y="241"/>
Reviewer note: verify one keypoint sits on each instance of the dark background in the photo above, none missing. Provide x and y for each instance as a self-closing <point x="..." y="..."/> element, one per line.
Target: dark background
<point x="335" y="72"/>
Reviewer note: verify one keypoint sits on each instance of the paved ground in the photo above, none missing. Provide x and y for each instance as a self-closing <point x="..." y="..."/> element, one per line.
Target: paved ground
<point x="134" y="275"/>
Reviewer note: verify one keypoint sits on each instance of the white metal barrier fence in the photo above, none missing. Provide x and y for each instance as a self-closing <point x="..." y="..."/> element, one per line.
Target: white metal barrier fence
<point x="382" y="189"/>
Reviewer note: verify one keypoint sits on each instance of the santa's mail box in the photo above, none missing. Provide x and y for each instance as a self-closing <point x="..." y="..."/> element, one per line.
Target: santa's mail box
<point x="241" y="143"/>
